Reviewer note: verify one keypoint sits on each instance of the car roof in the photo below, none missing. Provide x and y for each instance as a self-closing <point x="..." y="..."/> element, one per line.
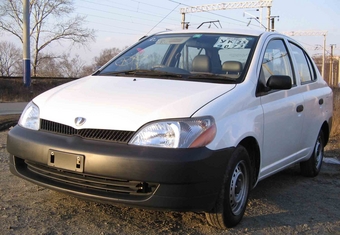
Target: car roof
<point x="227" y="31"/>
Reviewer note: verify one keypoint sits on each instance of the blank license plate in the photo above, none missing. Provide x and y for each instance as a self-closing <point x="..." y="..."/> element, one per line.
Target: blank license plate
<point x="67" y="161"/>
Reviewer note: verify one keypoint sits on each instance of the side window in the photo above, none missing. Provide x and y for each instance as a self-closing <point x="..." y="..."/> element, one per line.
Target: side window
<point x="305" y="68"/>
<point x="276" y="61"/>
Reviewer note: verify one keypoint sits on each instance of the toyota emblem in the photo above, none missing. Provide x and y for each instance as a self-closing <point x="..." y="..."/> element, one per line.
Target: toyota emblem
<point x="79" y="121"/>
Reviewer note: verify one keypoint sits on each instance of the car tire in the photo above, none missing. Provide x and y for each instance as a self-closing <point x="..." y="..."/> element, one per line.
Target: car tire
<point x="231" y="204"/>
<point x="312" y="166"/>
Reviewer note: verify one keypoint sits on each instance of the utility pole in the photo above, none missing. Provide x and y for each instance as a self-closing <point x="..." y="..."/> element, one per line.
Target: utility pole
<point x="26" y="44"/>
<point x="268" y="18"/>
<point x="183" y="20"/>
<point x="272" y="18"/>
<point x="331" y="70"/>
<point x="227" y="6"/>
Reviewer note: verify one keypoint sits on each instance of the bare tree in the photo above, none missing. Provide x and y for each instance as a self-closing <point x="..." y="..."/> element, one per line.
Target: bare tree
<point x="10" y="59"/>
<point x="71" y="67"/>
<point x="87" y="70"/>
<point x="98" y="61"/>
<point x="51" y="22"/>
<point x="48" y="65"/>
<point x="106" y="55"/>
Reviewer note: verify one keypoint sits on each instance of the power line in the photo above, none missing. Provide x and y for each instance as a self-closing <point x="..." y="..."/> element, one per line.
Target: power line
<point x="201" y="17"/>
<point x="138" y="18"/>
<point x="124" y="9"/>
<point x="162" y="19"/>
<point x="148" y="4"/>
<point x="103" y="17"/>
<point x="115" y="25"/>
<point x="212" y="13"/>
<point x="106" y="31"/>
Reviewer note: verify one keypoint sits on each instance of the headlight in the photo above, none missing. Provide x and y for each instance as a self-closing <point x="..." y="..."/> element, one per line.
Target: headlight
<point x="179" y="133"/>
<point x="30" y="117"/>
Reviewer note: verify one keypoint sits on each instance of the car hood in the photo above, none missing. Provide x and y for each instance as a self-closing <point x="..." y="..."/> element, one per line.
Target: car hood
<point x="125" y="103"/>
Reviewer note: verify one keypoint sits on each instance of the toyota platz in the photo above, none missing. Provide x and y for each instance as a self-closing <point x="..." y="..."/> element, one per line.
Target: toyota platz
<point x="184" y="120"/>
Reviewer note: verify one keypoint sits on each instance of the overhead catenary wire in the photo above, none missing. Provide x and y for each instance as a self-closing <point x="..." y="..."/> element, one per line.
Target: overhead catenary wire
<point x="138" y="32"/>
<point x="162" y="19"/>
<point x="167" y="18"/>
<point x="226" y="17"/>
<point x="138" y="19"/>
<point x="125" y="9"/>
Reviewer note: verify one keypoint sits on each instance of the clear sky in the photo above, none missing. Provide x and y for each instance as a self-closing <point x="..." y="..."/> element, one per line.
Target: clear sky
<point x="120" y="23"/>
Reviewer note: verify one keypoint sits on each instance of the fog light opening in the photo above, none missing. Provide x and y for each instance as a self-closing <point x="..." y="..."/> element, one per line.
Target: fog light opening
<point x="143" y="187"/>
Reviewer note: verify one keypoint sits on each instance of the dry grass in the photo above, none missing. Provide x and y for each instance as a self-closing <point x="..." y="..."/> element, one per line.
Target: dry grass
<point x="336" y="112"/>
<point x="13" y="90"/>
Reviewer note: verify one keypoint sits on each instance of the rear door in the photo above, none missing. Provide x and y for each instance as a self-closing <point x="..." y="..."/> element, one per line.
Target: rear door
<point x="315" y="95"/>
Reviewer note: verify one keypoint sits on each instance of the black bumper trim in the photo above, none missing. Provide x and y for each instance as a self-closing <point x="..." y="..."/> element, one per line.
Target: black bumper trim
<point x="183" y="179"/>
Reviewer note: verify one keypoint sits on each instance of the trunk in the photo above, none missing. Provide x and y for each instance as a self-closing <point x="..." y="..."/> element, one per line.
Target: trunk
<point x="35" y="64"/>
<point x="34" y="71"/>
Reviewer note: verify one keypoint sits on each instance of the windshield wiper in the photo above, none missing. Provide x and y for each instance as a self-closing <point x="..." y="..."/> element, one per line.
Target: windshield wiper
<point x="142" y="72"/>
<point x="211" y="76"/>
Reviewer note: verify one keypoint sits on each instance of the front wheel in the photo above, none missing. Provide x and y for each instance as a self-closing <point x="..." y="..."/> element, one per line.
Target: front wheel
<point x="312" y="166"/>
<point x="233" y="198"/>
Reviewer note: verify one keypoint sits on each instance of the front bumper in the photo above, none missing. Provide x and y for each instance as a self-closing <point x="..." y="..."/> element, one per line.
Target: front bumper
<point x="176" y="179"/>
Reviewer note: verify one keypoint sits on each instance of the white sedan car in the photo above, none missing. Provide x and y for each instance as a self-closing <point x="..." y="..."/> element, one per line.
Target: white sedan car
<point x="187" y="120"/>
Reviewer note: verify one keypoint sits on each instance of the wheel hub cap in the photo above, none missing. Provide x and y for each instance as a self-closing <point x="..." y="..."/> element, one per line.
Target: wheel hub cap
<point x="238" y="188"/>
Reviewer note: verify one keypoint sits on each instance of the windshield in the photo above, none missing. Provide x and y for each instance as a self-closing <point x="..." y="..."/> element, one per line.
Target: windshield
<point x="203" y="57"/>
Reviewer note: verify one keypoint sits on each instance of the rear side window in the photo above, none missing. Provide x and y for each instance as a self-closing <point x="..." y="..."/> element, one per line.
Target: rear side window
<point x="304" y="65"/>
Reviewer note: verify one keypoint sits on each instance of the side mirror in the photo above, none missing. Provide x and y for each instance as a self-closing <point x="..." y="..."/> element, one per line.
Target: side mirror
<point x="279" y="82"/>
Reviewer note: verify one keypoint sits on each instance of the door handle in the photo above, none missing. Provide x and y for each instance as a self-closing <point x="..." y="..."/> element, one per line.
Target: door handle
<point x="299" y="108"/>
<point x="320" y="101"/>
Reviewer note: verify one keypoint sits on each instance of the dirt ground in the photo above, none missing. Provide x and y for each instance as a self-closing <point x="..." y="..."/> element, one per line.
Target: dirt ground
<point x="285" y="203"/>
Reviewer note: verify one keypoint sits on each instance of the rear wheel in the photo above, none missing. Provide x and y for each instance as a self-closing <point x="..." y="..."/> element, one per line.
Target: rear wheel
<point x="312" y="166"/>
<point x="232" y="201"/>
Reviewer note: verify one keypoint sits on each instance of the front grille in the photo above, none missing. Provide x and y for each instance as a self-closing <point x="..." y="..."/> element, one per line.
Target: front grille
<point x="97" y="134"/>
<point x="95" y="185"/>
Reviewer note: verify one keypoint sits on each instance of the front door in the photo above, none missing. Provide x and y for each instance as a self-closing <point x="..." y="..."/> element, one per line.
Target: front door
<point x="283" y="111"/>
